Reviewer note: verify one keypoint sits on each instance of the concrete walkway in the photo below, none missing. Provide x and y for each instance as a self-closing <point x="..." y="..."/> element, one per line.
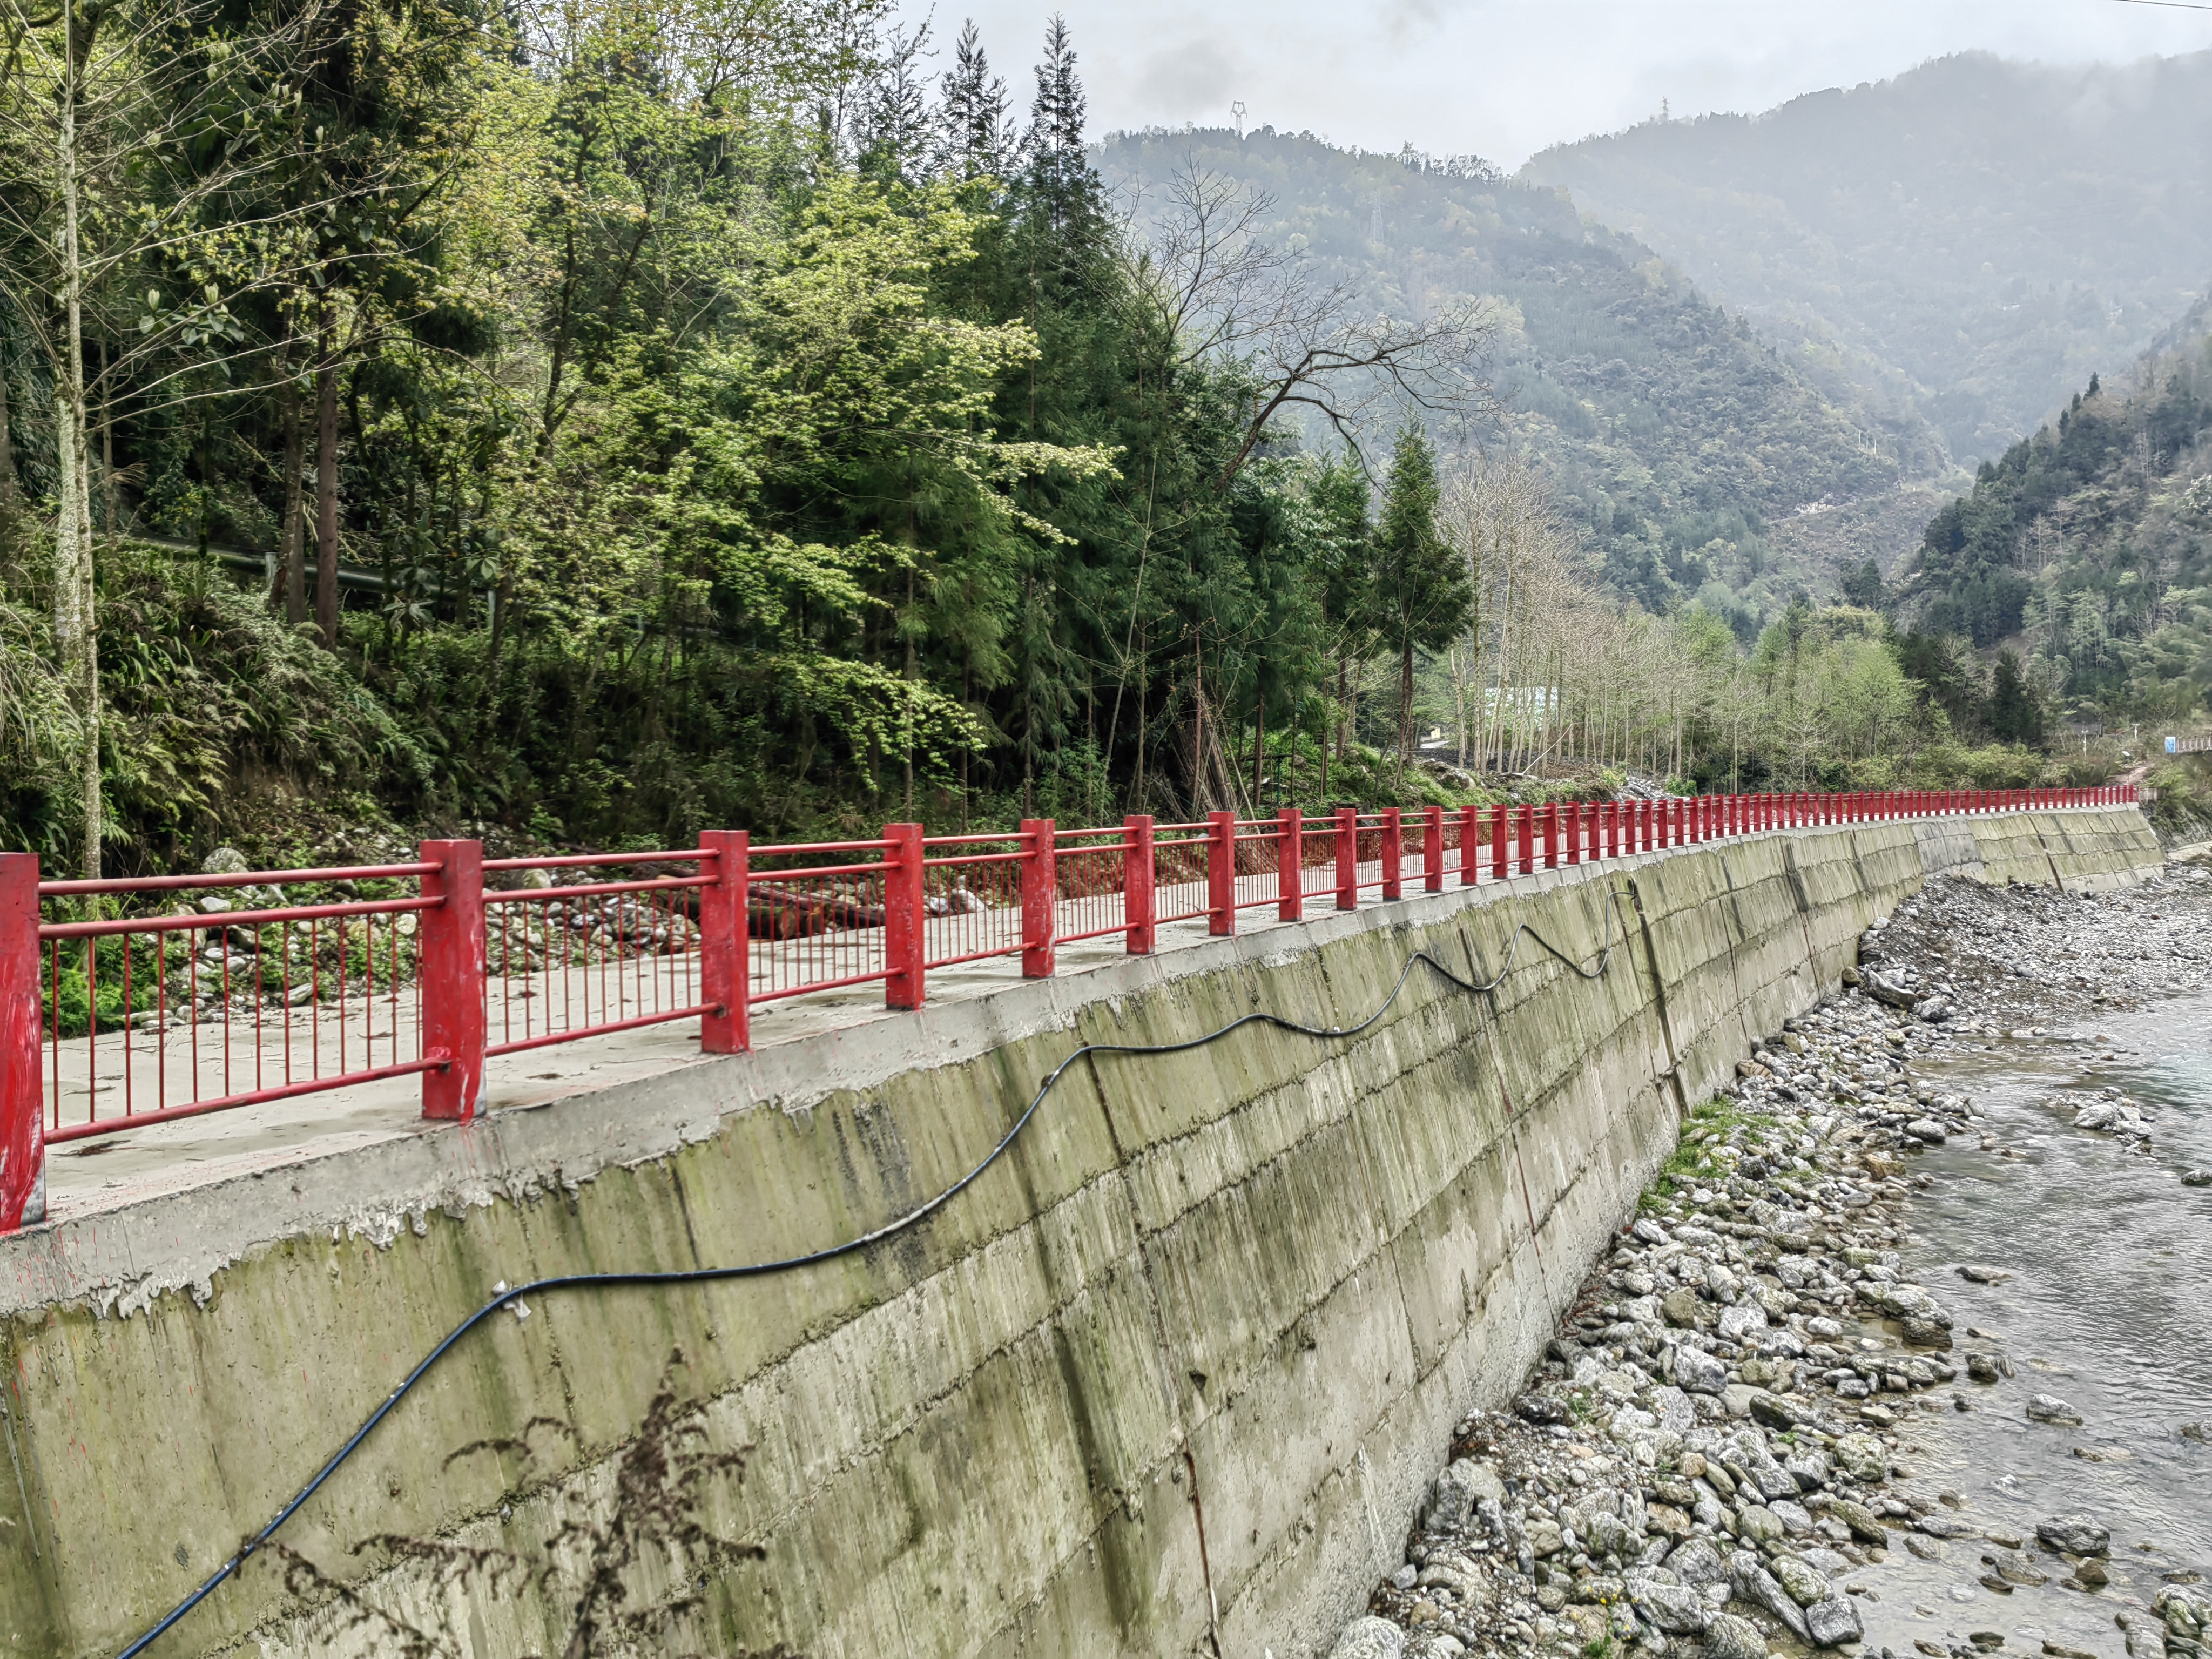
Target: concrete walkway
<point x="99" y="1173"/>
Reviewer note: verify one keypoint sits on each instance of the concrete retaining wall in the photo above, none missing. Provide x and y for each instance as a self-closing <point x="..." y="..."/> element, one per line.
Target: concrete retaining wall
<point x="1170" y="1379"/>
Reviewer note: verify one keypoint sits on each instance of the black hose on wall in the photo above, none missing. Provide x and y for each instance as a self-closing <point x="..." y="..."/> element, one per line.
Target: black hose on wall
<point x="913" y="1218"/>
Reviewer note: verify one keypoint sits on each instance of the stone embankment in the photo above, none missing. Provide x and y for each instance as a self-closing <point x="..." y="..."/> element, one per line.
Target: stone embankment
<point x="1708" y="1460"/>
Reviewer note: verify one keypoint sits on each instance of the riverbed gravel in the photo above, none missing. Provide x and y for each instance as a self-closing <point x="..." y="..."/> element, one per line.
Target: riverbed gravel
<point x="1713" y="1457"/>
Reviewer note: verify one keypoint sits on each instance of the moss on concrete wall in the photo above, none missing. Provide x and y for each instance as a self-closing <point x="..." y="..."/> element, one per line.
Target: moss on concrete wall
<point x="1179" y="1367"/>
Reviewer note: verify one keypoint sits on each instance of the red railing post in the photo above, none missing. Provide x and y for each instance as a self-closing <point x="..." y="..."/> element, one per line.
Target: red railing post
<point x="1347" y="858"/>
<point x="1138" y="909"/>
<point x="1572" y="812"/>
<point x="1432" y="851"/>
<point x="1289" y="865"/>
<point x="725" y="978"/>
<point x="1525" y="865"/>
<point x="1470" y="846"/>
<point x="1220" y="872"/>
<point x="904" y="911"/>
<point x="1040" y="896"/>
<point x="1394" y="851"/>
<point x="451" y="942"/>
<point x="23" y="1095"/>
<point x="1500" y="866"/>
<point x="1551" y="835"/>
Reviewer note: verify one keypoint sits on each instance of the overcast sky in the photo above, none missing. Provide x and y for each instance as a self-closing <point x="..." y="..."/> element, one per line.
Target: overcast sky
<point x="1503" y="78"/>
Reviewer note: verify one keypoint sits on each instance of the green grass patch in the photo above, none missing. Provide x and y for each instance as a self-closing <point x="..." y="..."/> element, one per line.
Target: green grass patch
<point x="1697" y="1157"/>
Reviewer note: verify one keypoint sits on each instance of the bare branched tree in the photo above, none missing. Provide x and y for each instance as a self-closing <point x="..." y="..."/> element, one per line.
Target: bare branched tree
<point x="1223" y="294"/>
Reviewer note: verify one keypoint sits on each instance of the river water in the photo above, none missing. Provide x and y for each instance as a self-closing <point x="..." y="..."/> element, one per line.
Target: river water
<point x="2106" y="1304"/>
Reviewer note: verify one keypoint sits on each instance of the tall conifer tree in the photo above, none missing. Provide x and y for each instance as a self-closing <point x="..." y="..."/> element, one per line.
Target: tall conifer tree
<point x="1422" y="583"/>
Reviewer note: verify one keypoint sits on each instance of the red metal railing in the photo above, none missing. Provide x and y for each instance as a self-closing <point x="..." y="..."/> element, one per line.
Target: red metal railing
<point x="116" y="1012"/>
<point x="816" y="915"/>
<point x="231" y="996"/>
<point x="616" y="948"/>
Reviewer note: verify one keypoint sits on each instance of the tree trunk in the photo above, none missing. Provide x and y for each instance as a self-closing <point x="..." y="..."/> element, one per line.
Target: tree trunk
<point x="1198" y="734"/>
<point x="1347" y="712"/>
<point x="111" y="503"/>
<point x="8" y="498"/>
<point x="1405" y="710"/>
<point x="74" y="624"/>
<point x="1321" y="801"/>
<point x="326" y="481"/>
<point x="1259" y="745"/>
<point x="292" y="541"/>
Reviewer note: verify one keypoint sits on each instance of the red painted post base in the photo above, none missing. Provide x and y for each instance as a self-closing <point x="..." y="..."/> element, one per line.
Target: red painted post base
<point x="903" y="915"/>
<point x="725" y="973"/>
<point x="453" y="974"/>
<point x="22" y="1096"/>
<point x="1137" y="909"/>
<point x="1040" y="896"/>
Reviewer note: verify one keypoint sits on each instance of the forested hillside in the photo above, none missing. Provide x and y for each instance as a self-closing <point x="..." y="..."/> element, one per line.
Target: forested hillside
<point x="1675" y="437"/>
<point x="589" y="424"/>
<point x="633" y="419"/>
<point x="2089" y="546"/>
<point x="1970" y="240"/>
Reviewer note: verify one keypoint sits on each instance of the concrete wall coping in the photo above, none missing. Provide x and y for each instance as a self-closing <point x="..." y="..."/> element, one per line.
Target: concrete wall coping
<point x="119" y="1256"/>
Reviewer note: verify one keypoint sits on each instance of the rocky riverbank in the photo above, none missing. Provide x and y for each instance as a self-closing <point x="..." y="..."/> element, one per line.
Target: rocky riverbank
<point x="1716" y="1456"/>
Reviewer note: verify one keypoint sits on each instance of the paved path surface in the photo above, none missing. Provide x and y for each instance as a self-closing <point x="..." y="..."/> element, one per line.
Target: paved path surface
<point x="100" y="1173"/>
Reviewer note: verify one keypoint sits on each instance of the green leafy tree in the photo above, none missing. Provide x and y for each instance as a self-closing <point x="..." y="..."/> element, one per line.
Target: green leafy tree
<point x="2015" y="710"/>
<point x="1423" y="594"/>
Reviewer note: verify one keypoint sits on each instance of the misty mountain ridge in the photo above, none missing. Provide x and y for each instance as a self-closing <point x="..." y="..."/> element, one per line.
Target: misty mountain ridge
<point x="1966" y="241"/>
<point x="1699" y="462"/>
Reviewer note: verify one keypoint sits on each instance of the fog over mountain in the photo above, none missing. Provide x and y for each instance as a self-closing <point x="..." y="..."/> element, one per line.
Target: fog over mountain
<point x="1972" y="239"/>
<point x="1689" y="452"/>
